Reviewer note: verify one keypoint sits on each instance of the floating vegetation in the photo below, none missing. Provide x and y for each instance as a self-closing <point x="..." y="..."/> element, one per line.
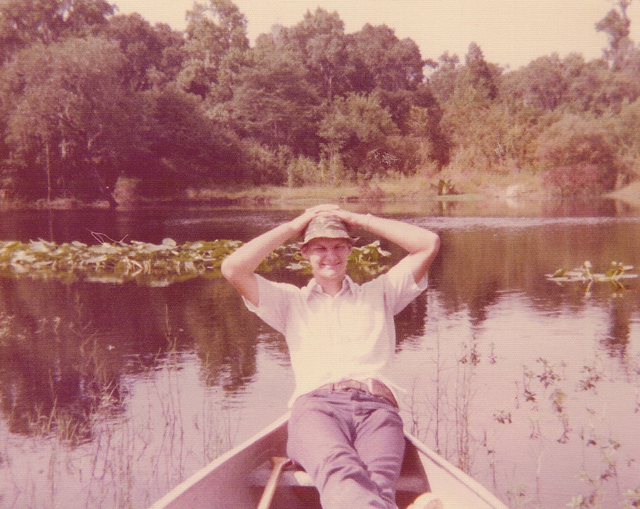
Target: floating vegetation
<point x="152" y="264"/>
<point x="586" y="275"/>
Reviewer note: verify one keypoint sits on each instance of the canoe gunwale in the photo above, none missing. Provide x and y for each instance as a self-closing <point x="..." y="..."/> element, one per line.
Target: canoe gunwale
<point x="248" y="458"/>
<point x="166" y="502"/>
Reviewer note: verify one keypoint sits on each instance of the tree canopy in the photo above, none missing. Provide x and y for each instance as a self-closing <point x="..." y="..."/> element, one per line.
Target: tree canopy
<point x="89" y="97"/>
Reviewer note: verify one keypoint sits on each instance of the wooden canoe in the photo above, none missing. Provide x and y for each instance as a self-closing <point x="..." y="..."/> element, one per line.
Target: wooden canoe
<point x="236" y="479"/>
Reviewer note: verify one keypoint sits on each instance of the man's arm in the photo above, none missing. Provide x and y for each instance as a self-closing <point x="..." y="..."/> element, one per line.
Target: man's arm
<point x="239" y="267"/>
<point x="421" y="244"/>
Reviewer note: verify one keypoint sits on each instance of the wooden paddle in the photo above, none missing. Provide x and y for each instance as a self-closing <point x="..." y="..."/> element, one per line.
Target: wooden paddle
<point x="278" y="463"/>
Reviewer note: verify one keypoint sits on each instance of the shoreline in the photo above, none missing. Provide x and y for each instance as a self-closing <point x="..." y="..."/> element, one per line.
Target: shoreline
<point x="393" y="191"/>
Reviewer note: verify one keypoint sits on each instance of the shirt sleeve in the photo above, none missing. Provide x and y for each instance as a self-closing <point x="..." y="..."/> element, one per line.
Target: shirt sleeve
<point x="400" y="287"/>
<point x="273" y="302"/>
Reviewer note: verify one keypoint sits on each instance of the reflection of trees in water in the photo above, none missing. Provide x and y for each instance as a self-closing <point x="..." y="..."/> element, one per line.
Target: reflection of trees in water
<point x="410" y="322"/>
<point x="225" y="334"/>
<point x="53" y="377"/>
<point x="581" y="208"/>
<point x="617" y="338"/>
<point x="64" y="349"/>
<point x="476" y="267"/>
<point x="471" y="272"/>
<point x="478" y="305"/>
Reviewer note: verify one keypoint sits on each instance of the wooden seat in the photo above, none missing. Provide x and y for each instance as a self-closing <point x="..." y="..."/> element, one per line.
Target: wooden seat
<point x="294" y="480"/>
<point x="412" y="476"/>
<point x="296" y="476"/>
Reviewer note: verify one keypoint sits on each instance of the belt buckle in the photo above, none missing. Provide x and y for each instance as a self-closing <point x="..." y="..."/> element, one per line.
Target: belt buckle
<point x="348" y="384"/>
<point x="344" y="385"/>
<point x="372" y="386"/>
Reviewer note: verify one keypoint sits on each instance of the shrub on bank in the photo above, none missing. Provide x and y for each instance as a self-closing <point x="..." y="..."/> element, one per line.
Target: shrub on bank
<point x="578" y="157"/>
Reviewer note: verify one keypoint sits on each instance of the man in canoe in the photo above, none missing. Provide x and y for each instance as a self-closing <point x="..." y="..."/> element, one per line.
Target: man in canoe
<point x="345" y="429"/>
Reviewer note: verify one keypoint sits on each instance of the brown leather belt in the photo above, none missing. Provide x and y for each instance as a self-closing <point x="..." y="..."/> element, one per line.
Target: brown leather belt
<point x="373" y="387"/>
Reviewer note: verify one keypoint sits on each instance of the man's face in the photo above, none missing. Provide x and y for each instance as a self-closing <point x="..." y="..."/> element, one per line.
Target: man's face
<point x="328" y="257"/>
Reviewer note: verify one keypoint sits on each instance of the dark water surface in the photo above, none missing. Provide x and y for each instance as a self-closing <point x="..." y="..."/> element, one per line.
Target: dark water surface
<point x="111" y="394"/>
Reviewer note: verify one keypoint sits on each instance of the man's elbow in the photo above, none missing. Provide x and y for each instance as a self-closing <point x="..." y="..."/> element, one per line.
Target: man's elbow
<point x="431" y="245"/>
<point x="228" y="269"/>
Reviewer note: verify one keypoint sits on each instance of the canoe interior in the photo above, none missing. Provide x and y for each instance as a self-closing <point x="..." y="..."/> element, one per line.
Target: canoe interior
<point x="296" y="490"/>
<point x="236" y="480"/>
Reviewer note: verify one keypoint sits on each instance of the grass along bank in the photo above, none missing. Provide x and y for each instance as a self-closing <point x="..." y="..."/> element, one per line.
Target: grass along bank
<point x="461" y="186"/>
<point x="629" y="194"/>
<point x="448" y="185"/>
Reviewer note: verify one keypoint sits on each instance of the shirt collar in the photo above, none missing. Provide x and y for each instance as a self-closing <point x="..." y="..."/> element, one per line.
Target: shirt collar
<point x="314" y="288"/>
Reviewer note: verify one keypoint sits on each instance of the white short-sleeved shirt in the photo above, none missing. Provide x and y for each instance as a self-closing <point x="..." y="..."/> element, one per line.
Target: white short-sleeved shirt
<point x="349" y="336"/>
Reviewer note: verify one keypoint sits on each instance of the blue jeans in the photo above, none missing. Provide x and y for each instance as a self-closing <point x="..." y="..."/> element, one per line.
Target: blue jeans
<point x="351" y="444"/>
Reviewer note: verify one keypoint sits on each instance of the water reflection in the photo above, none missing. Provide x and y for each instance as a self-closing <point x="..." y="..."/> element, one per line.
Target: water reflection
<point x="68" y="345"/>
<point x="225" y="335"/>
<point x="618" y="335"/>
<point x="65" y="348"/>
<point x="70" y="354"/>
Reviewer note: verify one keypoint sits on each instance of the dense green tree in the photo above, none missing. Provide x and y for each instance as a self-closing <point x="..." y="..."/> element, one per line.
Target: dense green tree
<point x="86" y="97"/>
<point x="616" y="25"/>
<point x="46" y="21"/>
<point x="154" y="55"/>
<point x="215" y="33"/>
<point x="83" y="17"/>
<point x="424" y="121"/>
<point x="572" y="84"/>
<point x="388" y="66"/>
<point x="578" y="157"/>
<point x="622" y="54"/>
<point x="624" y="132"/>
<point x="476" y="83"/>
<point x="273" y="100"/>
<point x="358" y="128"/>
<point x="543" y="84"/>
<point x="383" y="61"/>
<point x="75" y="128"/>
<point x="470" y="115"/>
<point x="539" y="94"/>
<point x="481" y="77"/>
<point x="596" y="89"/>
<point x="319" y="40"/>
<point x="442" y="80"/>
<point x="184" y="146"/>
<point x="69" y="127"/>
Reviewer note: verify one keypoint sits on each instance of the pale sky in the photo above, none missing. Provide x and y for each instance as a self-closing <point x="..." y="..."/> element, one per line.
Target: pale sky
<point x="509" y="32"/>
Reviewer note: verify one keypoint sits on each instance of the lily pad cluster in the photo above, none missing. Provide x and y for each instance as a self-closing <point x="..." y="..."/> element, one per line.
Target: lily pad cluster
<point x="150" y="264"/>
<point x="585" y="274"/>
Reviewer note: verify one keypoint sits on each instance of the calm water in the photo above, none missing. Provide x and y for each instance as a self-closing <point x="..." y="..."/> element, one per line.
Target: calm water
<point x="111" y="394"/>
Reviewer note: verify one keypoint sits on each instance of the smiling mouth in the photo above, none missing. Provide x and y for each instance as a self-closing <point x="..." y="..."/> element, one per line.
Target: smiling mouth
<point x="331" y="266"/>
